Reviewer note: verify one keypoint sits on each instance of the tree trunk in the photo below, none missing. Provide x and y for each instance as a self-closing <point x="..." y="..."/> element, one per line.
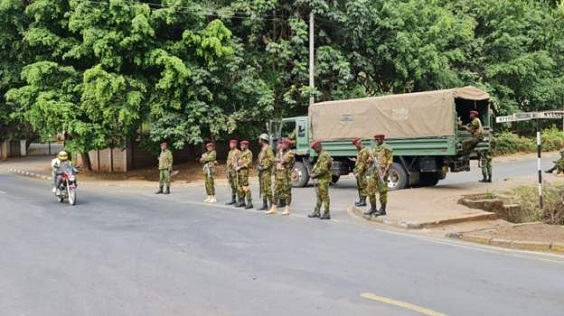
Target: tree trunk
<point x="86" y="164"/>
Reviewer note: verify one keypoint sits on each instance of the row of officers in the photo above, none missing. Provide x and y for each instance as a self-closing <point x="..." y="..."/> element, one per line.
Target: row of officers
<point x="371" y="172"/>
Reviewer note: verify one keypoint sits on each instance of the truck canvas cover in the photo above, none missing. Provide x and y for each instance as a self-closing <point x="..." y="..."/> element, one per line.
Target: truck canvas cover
<point x="412" y="115"/>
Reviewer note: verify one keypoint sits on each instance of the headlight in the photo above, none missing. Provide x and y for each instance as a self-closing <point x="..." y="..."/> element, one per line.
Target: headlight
<point x="72" y="178"/>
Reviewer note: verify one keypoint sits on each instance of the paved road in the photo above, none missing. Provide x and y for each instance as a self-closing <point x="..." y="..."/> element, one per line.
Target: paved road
<point x="124" y="251"/>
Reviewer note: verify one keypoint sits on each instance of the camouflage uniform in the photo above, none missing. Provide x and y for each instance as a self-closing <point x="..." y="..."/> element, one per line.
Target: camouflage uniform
<point x="208" y="159"/>
<point x="383" y="156"/>
<point x="232" y="158"/>
<point x="245" y="163"/>
<point x="486" y="161"/>
<point x="360" y="168"/>
<point x="558" y="164"/>
<point x="477" y="131"/>
<point x="265" y="163"/>
<point x="322" y="173"/>
<point x="165" y="167"/>
<point x="283" y="177"/>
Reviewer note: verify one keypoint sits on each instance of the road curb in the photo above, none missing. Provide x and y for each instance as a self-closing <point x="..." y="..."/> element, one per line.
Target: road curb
<point x="30" y="174"/>
<point x="511" y="244"/>
<point x="420" y="225"/>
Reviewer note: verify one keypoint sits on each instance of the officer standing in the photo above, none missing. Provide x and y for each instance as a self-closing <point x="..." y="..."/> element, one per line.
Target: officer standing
<point x="486" y="164"/>
<point x="383" y="159"/>
<point x="360" y="168"/>
<point x="476" y="130"/>
<point x="165" y="167"/>
<point x="243" y="166"/>
<point x="285" y="161"/>
<point x="322" y="173"/>
<point x="209" y="161"/>
<point x="265" y="163"/>
<point x="232" y="158"/>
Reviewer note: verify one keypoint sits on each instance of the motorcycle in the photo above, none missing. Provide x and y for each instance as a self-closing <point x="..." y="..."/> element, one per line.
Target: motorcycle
<point x="67" y="188"/>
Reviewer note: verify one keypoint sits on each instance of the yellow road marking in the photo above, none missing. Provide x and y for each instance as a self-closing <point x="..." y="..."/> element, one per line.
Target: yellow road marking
<point x="415" y="308"/>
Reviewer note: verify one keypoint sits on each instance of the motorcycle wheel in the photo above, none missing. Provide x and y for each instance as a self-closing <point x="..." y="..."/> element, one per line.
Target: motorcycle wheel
<point x="60" y="198"/>
<point x="72" y="196"/>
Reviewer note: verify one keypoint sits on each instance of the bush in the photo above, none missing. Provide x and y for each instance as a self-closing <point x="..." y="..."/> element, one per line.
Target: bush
<point x="553" y="198"/>
<point x="509" y="143"/>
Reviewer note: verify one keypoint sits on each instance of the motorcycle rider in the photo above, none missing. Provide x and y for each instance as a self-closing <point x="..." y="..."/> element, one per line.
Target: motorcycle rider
<point x="60" y="166"/>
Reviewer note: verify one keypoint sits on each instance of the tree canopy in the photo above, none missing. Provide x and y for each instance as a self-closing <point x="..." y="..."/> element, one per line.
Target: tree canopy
<point x="193" y="70"/>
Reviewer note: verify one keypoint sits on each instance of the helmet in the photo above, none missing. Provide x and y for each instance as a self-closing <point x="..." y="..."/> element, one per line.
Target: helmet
<point x="264" y="137"/>
<point x="63" y="155"/>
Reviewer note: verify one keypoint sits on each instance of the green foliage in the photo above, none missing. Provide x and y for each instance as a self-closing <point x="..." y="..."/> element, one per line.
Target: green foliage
<point x="195" y="70"/>
<point x="510" y="143"/>
<point x="553" y="198"/>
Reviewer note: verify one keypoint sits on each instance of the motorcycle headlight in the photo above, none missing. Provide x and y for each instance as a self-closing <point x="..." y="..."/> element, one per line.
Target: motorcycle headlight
<point x="72" y="178"/>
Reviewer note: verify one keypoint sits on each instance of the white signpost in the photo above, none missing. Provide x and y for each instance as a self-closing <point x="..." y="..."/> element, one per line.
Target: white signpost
<point x="529" y="116"/>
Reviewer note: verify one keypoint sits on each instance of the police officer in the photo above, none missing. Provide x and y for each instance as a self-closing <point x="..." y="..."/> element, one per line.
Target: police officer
<point x="165" y="167"/>
<point x="486" y="164"/>
<point x="476" y="130"/>
<point x="360" y="168"/>
<point x="265" y="163"/>
<point x="382" y="157"/>
<point x="284" y="167"/>
<point x="208" y="159"/>
<point x="232" y="158"/>
<point x="243" y="167"/>
<point x="322" y="173"/>
<point x="558" y="164"/>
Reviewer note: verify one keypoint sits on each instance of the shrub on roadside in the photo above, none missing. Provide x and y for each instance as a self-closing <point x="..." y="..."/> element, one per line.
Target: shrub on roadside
<point x="553" y="198"/>
<point x="552" y="139"/>
<point x="509" y="143"/>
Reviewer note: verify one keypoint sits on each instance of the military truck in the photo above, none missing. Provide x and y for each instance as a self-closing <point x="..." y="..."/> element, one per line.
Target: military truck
<point x="422" y="128"/>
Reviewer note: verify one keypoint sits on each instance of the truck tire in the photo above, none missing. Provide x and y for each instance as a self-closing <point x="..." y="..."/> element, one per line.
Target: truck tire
<point x="397" y="177"/>
<point x="300" y="176"/>
<point x="335" y="179"/>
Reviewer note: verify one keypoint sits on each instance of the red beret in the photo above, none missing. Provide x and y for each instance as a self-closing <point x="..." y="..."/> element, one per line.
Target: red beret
<point x="209" y="145"/>
<point x="315" y="143"/>
<point x="286" y="141"/>
<point x="356" y="140"/>
<point x="377" y="136"/>
<point x="475" y="113"/>
<point x="233" y="141"/>
<point x="245" y="142"/>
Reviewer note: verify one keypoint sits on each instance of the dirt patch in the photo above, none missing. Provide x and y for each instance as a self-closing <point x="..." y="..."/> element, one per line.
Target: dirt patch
<point x="538" y="232"/>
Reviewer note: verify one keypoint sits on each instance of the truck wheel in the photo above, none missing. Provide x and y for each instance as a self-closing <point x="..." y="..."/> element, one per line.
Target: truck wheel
<point x="397" y="177"/>
<point x="300" y="177"/>
<point x="335" y="179"/>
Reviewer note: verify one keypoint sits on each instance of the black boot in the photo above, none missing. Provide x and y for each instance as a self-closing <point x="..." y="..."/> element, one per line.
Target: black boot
<point x="484" y="179"/>
<point x="241" y="203"/>
<point x="264" y="205"/>
<point x="167" y="190"/>
<point x="160" y="191"/>
<point x="372" y="209"/>
<point x="249" y="205"/>
<point x="233" y="200"/>
<point x="314" y="214"/>
<point x="362" y="201"/>
<point x="381" y="211"/>
<point x="551" y="170"/>
<point x="489" y="179"/>
<point x="325" y="215"/>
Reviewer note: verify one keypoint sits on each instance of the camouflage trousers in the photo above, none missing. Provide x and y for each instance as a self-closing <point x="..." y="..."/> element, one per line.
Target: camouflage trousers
<point x="282" y="187"/>
<point x="469" y="145"/>
<point x="375" y="184"/>
<point x="322" y="192"/>
<point x="210" y="187"/>
<point x="486" y="161"/>
<point x="244" y="191"/>
<point x="266" y="185"/>
<point x="164" y="177"/>
<point x="232" y="179"/>
<point x="362" y="184"/>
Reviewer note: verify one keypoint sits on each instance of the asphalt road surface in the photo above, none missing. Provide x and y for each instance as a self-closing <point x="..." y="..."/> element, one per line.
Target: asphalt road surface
<point x="125" y="251"/>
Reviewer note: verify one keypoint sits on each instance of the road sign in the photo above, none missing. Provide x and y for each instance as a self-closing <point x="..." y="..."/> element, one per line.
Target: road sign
<point x="527" y="116"/>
